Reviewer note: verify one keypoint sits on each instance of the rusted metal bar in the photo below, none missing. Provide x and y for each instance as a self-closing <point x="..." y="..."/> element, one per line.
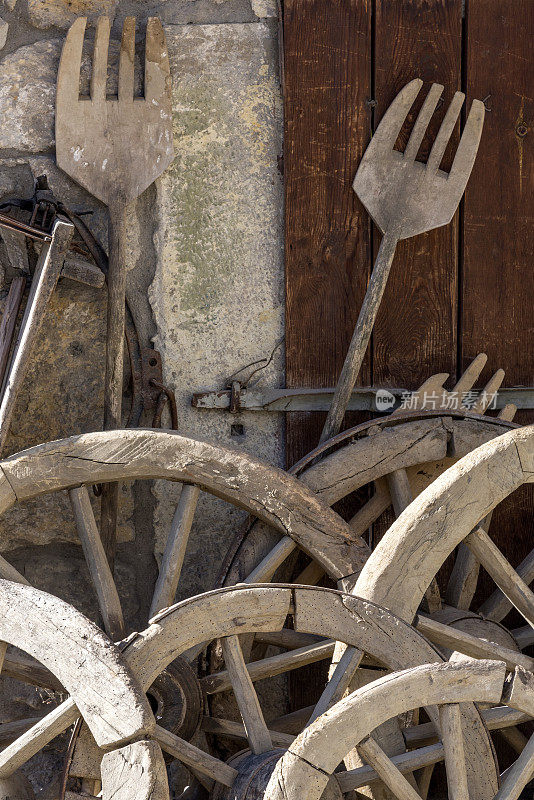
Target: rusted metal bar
<point x="364" y="399"/>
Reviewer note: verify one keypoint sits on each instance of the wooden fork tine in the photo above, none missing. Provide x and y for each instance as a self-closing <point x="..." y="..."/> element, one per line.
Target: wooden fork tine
<point x="423" y="120"/>
<point x="468" y="146"/>
<point x="100" y="61"/>
<point x="467" y="380"/>
<point x="486" y="396"/>
<point x="68" y="79"/>
<point x="393" y="120"/>
<point x="157" y="69"/>
<point x="126" y="61"/>
<point x="445" y="132"/>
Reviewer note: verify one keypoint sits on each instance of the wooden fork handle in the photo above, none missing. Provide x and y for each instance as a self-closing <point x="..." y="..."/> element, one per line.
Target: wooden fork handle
<point x="114" y="361"/>
<point x="360" y="337"/>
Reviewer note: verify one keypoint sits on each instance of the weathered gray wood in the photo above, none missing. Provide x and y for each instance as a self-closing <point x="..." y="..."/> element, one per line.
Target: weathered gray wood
<point x="506" y="578"/>
<point x="9" y="315"/>
<point x="174" y="553"/>
<point x="405" y="198"/>
<point x="497" y="605"/>
<point x="450" y="720"/>
<point x="115" y="149"/>
<point x="406" y="762"/>
<point x="82" y="659"/>
<point x="314" y="755"/>
<point x="16" y="786"/>
<point x="235" y="730"/>
<point x="194" y="757"/>
<point x="268" y="493"/>
<point x="388" y="772"/>
<point x="448" y="510"/>
<point x="453" y="639"/>
<point x="97" y="563"/>
<point x="272" y="665"/>
<point x="258" y="734"/>
<point x="136" y="770"/>
<point x="43" y="284"/>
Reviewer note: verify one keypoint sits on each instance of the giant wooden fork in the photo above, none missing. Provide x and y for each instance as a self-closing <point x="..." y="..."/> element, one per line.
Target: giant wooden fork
<point x="115" y="148"/>
<point x="404" y="198"/>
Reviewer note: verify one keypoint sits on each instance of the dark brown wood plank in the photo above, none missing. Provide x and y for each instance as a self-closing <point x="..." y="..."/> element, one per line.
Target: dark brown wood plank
<point x="498" y="276"/>
<point x="327" y="55"/>
<point x="327" y="58"/>
<point x="415" y="333"/>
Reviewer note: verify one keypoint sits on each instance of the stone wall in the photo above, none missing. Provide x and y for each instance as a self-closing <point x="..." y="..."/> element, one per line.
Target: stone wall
<point x="205" y="281"/>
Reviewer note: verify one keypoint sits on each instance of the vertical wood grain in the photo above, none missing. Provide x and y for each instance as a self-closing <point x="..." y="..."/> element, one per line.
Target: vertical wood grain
<point x="327" y="55"/>
<point x="327" y="60"/>
<point x="415" y="333"/>
<point x="498" y="276"/>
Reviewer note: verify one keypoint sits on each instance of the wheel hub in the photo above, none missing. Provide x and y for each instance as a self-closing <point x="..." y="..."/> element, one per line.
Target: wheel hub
<point x="254" y="772"/>
<point x="177" y="700"/>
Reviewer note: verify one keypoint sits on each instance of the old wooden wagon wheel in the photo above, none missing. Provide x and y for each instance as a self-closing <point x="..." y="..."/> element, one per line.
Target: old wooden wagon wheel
<point x="73" y="658"/>
<point x="400" y="454"/>
<point x="450" y="512"/>
<point x="227" y="614"/>
<point x="308" y="767"/>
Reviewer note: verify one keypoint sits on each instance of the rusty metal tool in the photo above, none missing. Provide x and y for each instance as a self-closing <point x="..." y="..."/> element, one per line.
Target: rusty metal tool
<point x="115" y="148"/>
<point x="405" y="198"/>
<point x="47" y="272"/>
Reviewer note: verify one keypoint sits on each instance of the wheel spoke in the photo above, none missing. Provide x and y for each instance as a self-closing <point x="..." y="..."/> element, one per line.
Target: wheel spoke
<point x="450" y="720"/>
<point x="29" y="671"/>
<point x="271" y="666"/>
<point x="97" y="563"/>
<point x="173" y="556"/>
<point x="523" y="636"/>
<point x="236" y="730"/>
<point x="270" y="563"/>
<point x="494" y="719"/>
<point x="311" y="575"/>
<point x="258" y="734"/>
<point x="30" y="742"/>
<point x="288" y="638"/>
<point x="387" y="770"/>
<point x="514" y="737"/>
<point x="194" y="757"/>
<point x="463" y="580"/>
<point x="373" y="508"/>
<point x="405" y="762"/>
<point x="518" y="775"/>
<point x="339" y="681"/>
<point x="469" y="645"/>
<point x="497" y="606"/>
<point x="502" y="573"/>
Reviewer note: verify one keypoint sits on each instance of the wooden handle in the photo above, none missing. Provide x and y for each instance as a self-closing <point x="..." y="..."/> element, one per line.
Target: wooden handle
<point x="360" y="337"/>
<point x="114" y="363"/>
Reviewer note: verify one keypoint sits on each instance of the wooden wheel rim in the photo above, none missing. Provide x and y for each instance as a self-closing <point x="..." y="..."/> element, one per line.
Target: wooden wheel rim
<point x="415" y="546"/>
<point x="312" y="758"/>
<point x="267" y="492"/>
<point x="330" y="613"/>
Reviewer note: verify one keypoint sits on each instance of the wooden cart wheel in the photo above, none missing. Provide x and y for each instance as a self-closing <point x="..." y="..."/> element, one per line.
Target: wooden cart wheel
<point x="376" y="636"/>
<point x="79" y="462"/>
<point x="80" y="663"/>
<point x="307" y="768"/>
<point x="452" y="512"/>
<point x="400" y="455"/>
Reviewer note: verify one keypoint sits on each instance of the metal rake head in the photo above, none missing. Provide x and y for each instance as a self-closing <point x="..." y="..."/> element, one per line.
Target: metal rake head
<point x="404" y="196"/>
<point x="114" y="146"/>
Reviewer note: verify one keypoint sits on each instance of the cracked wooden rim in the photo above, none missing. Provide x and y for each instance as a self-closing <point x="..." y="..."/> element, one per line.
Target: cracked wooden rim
<point x="229" y="614"/>
<point x="309" y="764"/>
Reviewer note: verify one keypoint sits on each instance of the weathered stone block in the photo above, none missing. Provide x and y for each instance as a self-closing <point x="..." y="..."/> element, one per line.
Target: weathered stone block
<point x="217" y="294"/>
<point x="62" y="13"/>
